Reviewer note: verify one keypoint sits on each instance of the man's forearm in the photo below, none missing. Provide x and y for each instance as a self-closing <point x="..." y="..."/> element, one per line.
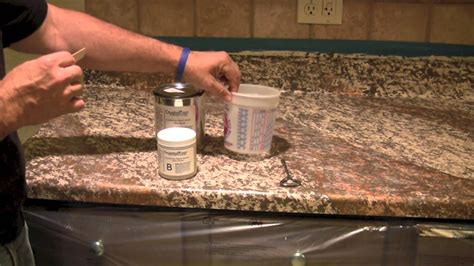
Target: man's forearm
<point x="4" y="129"/>
<point x="108" y="47"/>
<point x="7" y="115"/>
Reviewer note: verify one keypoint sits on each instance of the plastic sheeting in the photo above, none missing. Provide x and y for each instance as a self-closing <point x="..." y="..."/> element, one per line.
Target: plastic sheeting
<point x="137" y="236"/>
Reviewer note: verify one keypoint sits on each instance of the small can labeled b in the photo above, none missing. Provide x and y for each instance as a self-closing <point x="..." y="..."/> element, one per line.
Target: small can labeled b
<point x="177" y="153"/>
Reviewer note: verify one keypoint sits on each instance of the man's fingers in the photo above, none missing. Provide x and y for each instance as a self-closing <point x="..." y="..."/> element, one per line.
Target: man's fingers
<point x="232" y="74"/>
<point x="209" y="70"/>
<point x="77" y="104"/>
<point x="63" y="59"/>
<point x="218" y="89"/>
<point x="74" y="74"/>
<point x="73" y="91"/>
<point x="73" y="95"/>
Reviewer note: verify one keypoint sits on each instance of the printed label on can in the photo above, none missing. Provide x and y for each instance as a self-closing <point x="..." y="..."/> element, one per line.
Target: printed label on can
<point x="177" y="162"/>
<point x="172" y="116"/>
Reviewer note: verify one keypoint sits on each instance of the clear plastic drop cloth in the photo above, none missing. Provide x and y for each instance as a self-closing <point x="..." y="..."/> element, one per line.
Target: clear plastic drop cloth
<point x="173" y="237"/>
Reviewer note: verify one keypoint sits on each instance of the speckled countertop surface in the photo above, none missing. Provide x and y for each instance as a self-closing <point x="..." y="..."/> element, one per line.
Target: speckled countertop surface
<point x="368" y="135"/>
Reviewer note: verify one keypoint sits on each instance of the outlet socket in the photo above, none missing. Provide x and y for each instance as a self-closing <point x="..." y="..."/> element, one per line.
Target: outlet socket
<point x="307" y="11"/>
<point x="320" y="11"/>
<point x="310" y="10"/>
<point x="329" y="8"/>
<point x="331" y="12"/>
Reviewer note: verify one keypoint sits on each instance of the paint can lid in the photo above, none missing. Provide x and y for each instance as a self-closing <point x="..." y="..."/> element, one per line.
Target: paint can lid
<point x="177" y="91"/>
<point x="176" y="136"/>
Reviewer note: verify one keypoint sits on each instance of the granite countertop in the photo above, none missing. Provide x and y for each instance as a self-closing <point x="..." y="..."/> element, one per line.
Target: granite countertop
<point x="367" y="135"/>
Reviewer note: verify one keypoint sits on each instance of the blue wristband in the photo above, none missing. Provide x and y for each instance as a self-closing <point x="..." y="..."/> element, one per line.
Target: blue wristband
<point x="182" y="64"/>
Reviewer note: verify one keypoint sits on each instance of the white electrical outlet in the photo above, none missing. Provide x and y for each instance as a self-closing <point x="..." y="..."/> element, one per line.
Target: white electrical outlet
<point x="307" y="10"/>
<point x="331" y="12"/>
<point x="320" y="11"/>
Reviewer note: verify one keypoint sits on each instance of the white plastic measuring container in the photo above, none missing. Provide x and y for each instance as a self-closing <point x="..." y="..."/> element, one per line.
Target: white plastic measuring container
<point x="249" y="119"/>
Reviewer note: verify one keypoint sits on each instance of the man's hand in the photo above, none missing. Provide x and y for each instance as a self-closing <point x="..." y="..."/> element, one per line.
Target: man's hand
<point x="212" y="71"/>
<point x="40" y="90"/>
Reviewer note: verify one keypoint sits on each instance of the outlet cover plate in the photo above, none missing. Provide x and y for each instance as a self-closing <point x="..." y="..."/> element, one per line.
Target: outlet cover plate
<point x="320" y="12"/>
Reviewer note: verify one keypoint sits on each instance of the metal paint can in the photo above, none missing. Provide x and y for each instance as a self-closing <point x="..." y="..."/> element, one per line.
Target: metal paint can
<point x="179" y="105"/>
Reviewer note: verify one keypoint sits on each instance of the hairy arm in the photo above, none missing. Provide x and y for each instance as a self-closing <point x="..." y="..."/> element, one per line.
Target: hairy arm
<point x="115" y="49"/>
<point x="108" y="47"/>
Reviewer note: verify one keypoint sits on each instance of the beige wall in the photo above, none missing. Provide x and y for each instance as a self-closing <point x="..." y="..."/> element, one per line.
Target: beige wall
<point x="439" y="21"/>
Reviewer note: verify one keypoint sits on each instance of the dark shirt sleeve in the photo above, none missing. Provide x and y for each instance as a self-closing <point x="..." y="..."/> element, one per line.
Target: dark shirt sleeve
<point x="20" y="18"/>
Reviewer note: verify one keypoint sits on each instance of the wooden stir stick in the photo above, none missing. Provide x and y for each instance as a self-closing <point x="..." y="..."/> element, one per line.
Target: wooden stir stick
<point x="79" y="54"/>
